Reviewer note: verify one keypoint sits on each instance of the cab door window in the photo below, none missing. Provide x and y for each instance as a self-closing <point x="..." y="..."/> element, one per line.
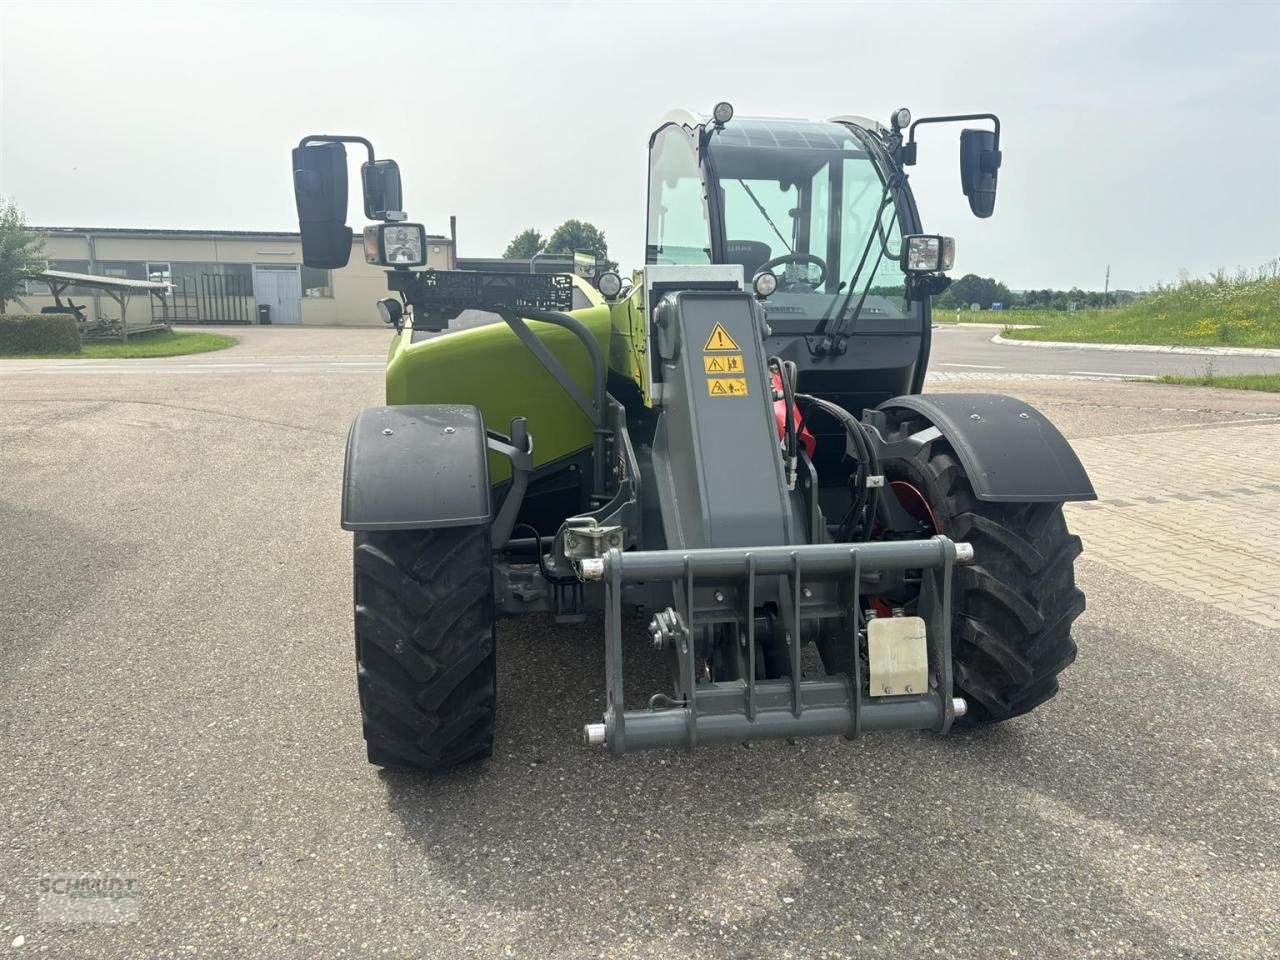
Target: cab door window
<point x="679" y="231"/>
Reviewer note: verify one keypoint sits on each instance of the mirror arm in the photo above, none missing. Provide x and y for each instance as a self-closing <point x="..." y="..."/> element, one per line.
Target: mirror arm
<point x="336" y="138"/>
<point x="909" y="151"/>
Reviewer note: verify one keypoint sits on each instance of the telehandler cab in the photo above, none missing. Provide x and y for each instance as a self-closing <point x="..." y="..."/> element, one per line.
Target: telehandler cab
<point x="736" y="448"/>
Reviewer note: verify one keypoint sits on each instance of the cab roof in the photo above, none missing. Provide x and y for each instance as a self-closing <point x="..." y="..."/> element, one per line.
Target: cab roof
<point x="776" y="131"/>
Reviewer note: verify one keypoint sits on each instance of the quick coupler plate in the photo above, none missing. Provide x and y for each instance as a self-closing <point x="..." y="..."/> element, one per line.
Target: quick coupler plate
<point x="814" y="587"/>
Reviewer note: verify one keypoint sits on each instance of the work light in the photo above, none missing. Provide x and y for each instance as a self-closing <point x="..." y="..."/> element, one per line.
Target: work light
<point x="391" y="311"/>
<point x="609" y="284"/>
<point x="901" y="118"/>
<point x="764" y="283"/>
<point x="396" y="244"/>
<point x="927" y="253"/>
<point x="722" y="113"/>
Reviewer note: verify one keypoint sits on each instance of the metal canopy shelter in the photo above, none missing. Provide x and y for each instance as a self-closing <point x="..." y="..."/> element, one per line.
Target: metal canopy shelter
<point x="119" y="289"/>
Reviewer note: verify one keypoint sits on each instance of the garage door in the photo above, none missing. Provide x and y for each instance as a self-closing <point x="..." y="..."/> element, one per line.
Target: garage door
<point x="279" y="287"/>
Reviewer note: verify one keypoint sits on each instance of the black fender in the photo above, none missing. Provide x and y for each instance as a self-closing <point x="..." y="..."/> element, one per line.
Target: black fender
<point x="1010" y="451"/>
<point x="415" y="467"/>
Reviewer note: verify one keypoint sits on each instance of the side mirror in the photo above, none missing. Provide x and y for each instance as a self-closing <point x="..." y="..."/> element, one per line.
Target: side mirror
<point x="381" y="181"/>
<point x="320" y="189"/>
<point x="979" y="163"/>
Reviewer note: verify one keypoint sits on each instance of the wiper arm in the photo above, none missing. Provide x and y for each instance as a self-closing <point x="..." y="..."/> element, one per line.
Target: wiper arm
<point x="839" y="315"/>
<point x="765" y="213"/>
<point x="893" y="181"/>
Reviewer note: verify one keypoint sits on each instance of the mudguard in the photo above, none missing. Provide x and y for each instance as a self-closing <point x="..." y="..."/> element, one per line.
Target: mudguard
<point x="415" y="467"/>
<point x="1010" y="451"/>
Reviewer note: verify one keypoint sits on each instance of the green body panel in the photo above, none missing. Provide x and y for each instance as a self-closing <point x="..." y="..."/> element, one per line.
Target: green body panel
<point x="629" y="354"/>
<point x="490" y="368"/>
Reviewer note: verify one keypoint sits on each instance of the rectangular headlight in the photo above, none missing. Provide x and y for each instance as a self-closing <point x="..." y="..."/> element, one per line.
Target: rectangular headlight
<point x="396" y="244"/>
<point x="927" y="253"/>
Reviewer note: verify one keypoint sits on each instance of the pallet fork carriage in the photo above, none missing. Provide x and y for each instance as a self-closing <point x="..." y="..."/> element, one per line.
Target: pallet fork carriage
<point x="741" y="711"/>
<point x="736" y="449"/>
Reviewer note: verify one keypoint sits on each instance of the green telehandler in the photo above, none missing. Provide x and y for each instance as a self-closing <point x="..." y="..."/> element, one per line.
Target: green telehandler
<point x="732" y="447"/>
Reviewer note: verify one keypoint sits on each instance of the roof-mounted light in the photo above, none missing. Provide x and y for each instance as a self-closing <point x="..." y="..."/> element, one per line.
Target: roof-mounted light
<point x="901" y="119"/>
<point x="722" y="113"/>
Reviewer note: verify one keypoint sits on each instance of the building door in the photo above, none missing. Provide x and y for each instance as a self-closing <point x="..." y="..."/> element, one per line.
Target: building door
<point x="279" y="287"/>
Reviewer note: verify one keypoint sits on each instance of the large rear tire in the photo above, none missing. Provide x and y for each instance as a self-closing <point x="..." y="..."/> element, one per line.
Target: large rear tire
<point x="425" y="665"/>
<point x="1014" y="605"/>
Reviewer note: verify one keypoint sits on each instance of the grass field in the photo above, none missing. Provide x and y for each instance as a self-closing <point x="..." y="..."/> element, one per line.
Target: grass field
<point x="162" y="344"/>
<point x="1266" y="382"/>
<point x="1222" y="312"/>
<point x="983" y="316"/>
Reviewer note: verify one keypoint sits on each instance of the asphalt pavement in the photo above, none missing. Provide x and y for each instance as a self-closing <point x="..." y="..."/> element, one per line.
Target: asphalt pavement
<point x="960" y="351"/>
<point x="969" y="348"/>
<point x="179" y="710"/>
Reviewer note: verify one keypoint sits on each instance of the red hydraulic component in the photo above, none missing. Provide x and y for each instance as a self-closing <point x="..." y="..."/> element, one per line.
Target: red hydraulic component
<point x="914" y="503"/>
<point x="805" y="438"/>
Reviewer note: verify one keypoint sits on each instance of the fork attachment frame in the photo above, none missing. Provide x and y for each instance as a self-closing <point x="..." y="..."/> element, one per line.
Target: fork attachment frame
<point x="818" y="588"/>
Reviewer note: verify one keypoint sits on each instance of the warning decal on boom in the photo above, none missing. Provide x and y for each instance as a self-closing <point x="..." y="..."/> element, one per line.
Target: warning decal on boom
<point x="727" y="364"/>
<point x="720" y="340"/>
<point x="727" y="386"/>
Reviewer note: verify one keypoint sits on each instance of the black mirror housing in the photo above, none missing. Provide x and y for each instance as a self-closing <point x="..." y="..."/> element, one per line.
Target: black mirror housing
<point x="382" y="194"/>
<point x="979" y="164"/>
<point x="320" y="190"/>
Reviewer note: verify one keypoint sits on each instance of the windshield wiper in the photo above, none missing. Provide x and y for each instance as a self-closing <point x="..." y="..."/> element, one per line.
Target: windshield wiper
<point x="765" y="213"/>
<point x="839" y="316"/>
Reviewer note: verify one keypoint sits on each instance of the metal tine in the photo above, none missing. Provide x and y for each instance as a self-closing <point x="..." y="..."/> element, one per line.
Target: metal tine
<point x="689" y="654"/>
<point x="856" y="610"/>
<point x="946" y="672"/>
<point x="795" y="637"/>
<point x="751" y="636"/>
<point x="613" y="652"/>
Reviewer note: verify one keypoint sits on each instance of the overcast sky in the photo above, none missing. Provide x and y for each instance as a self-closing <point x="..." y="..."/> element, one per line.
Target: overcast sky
<point x="1141" y="135"/>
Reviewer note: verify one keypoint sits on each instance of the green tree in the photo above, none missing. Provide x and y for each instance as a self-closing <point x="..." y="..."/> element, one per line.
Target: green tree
<point x="574" y="235"/>
<point x="525" y="245"/>
<point x="983" y="291"/>
<point x="21" y="251"/>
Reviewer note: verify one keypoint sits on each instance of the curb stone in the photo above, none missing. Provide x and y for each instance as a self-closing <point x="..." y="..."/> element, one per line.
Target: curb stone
<point x="965" y="325"/>
<point x="1142" y="348"/>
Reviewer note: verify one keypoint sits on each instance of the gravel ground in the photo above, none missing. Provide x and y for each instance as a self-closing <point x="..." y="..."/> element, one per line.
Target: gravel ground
<point x="178" y="706"/>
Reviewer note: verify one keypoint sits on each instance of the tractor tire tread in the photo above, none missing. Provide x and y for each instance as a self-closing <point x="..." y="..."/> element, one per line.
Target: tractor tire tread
<point x="425" y="646"/>
<point x="1014" y="607"/>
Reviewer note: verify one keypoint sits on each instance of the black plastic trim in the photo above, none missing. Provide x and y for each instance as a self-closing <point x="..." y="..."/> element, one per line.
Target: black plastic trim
<point x="1010" y="451"/>
<point x="415" y="467"/>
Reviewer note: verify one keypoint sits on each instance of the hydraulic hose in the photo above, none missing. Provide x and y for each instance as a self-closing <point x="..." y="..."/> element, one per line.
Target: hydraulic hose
<point x="593" y="407"/>
<point x="790" y="439"/>
<point x="547" y="575"/>
<point x="866" y="499"/>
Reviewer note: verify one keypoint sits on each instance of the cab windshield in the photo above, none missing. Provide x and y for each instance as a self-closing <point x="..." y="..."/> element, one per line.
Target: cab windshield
<point x="807" y="201"/>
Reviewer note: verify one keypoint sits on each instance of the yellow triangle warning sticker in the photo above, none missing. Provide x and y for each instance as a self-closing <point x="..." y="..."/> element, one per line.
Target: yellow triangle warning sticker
<point x="722" y="363"/>
<point x="727" y="386"/>
<point x="720" y="339"/>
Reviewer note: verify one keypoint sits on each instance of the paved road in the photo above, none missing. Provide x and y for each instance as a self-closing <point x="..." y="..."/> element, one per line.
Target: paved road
<point x="964" y="348"/>
<point x="960" y="352"/>
<point x="177" y="704"/>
